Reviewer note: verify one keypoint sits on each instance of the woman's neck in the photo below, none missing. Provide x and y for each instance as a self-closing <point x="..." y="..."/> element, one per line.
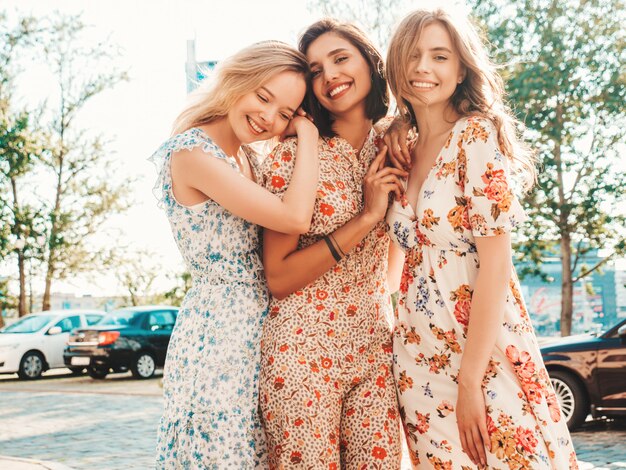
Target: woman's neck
<point x="354" y="127"/>
<point x="222" y="134"/>
<point x="434" y="121"/>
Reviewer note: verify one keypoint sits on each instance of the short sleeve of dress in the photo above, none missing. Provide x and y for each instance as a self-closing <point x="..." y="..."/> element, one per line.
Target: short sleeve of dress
<point x="278" y="167"/>
<point x="187" y="140"/>
<point x="493" y="208"/>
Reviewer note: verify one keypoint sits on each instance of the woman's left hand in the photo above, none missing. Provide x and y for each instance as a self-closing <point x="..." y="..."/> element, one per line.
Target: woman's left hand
<point x="291" y="130"/>
<point x="471" y="415"/>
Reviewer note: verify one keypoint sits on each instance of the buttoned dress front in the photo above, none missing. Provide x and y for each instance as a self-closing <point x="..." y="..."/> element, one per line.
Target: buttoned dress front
<point x="467" y="195"/>
<point x="327" y="394"/>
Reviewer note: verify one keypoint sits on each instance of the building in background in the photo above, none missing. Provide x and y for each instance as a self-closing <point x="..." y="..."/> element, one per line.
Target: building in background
<point x="599" y="299"/>
<point x="194" y="70"/>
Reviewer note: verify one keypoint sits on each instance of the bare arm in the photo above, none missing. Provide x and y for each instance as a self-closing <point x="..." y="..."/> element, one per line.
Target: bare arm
<point x="246" y="199"/>
<point x="288" y="269"/>
<point x="395" y="265"/>
<point x="486" y="315"/>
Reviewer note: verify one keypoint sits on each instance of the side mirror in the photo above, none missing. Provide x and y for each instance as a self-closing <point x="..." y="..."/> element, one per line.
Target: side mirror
<point x="55" y="330"/>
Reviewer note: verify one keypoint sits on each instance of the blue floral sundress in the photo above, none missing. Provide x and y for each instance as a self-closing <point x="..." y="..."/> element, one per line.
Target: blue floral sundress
<point x="210" y="380"/>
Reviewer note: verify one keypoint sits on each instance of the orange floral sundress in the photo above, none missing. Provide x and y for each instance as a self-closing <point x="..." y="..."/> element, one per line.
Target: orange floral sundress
<point x="467" y="195"/>
<point x="327" y="395"/>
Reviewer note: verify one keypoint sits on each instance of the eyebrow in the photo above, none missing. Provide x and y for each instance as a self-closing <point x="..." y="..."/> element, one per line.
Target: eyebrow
<point x="441" y="48"/>
<point x="331" y="53"/>
<point x="272" y="95"/>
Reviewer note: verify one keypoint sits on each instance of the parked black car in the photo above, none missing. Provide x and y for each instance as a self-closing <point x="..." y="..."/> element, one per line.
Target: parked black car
<point x="134" y="338"/>
<point x="588" y="373"/>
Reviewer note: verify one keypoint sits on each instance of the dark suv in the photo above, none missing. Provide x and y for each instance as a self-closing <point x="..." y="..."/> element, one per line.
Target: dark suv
<point x="134" y="338"/>
<point x="588" y="373"/>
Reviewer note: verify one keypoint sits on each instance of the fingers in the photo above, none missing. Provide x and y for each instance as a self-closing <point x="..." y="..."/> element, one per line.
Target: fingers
<point x="395" y="162"/>
<point x="473" y="443"/>
<point x="485" y="436"/>
<point x="394" y="153"/>
<point x="479" y="445"/>
<point x="391" y="171"/>
<point x="392" y="187"/>
<point x="472" y="450"/>
<point x="404" y="150"/>
<point x="382" y="153"/>
<point x="376" y="163"/>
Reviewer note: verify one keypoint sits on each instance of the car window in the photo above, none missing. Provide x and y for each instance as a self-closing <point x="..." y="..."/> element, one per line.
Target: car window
<point x="93" y="319"/>
<point x="161" y="320"/>
<point x="121" y="318"/>
<point x="29" y="324"/>
<point x="69" y="323"/>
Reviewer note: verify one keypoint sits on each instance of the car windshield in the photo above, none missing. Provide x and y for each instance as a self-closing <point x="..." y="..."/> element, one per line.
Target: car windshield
<point x="29" y="324"/>
<point x="120" y="317"/>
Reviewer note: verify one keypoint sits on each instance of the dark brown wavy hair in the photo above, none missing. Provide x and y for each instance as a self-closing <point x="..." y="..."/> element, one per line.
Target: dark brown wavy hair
<point x="377" y="101"/>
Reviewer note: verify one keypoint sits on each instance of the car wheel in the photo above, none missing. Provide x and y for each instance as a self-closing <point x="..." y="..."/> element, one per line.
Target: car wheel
<point x="31" y="366"/>
<point x="572" y="398"/>
<point x="77" y="370"/>
<point x="97" y="372"/>
<point x="144" y="366"/>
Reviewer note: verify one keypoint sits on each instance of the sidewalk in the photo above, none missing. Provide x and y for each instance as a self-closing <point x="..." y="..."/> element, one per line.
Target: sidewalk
<point x="13" y="463"/>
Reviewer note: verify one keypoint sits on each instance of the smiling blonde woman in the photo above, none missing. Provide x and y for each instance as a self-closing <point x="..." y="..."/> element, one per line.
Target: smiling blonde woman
<point x="208" y="187"/>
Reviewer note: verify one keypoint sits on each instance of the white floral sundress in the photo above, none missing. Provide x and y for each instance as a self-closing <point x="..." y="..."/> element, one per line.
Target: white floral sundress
<point x="210" y="381"/>
<point x="467" y="195"/>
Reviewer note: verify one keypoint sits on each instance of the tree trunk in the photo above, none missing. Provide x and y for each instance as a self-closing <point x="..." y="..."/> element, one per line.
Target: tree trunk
<point x="21" y="305"/>
<point x="54" y="229"/>
<point x="567" y="286"/>
<point x="45" y="304"/>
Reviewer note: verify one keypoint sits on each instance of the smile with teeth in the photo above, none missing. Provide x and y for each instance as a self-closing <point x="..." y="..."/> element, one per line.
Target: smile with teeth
<point x="423" y="85"/>
<point x="335" y="91"/>
<point x="254" y="126"/>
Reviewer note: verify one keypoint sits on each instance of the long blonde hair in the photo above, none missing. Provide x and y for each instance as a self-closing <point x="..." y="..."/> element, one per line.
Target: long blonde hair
<point x="480" y="94"/>
<point x="236" y="76"/>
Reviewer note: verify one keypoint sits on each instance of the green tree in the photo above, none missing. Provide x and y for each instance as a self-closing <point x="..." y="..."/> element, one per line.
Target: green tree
<point x="565" y="76"/>
<point x="176" y="294"/>
<point x="7" y="301"/>
<point x="86" y="190"/>
<point x="376" y="17"/>
<point x="20" y="144"/>
<point x="136" y="271"/>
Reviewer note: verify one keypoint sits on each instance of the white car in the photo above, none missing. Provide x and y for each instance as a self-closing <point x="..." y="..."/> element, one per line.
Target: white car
<point x="35" y="342"/>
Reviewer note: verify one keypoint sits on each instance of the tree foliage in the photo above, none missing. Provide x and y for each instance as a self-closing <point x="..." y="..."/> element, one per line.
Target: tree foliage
<point x="51" y="231"/>
<point x="86" y="190"/>
<point x="21" y="219"/>
<point x="563" y="67"/>
<point x="564" y="74"/>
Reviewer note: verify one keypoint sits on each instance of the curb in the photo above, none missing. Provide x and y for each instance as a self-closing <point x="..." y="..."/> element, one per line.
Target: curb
<point x="16" y="463"/>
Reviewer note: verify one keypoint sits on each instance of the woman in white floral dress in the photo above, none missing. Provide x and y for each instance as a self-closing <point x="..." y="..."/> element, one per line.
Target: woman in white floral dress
<point x="472" y="387"/>
<point x="207" y="185"/>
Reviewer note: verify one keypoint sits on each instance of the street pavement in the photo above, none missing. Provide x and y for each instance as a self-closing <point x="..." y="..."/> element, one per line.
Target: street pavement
<point x="65" y="421"/>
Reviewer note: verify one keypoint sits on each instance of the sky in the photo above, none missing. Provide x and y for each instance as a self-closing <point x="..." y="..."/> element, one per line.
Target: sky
<point x="137" y="115"/>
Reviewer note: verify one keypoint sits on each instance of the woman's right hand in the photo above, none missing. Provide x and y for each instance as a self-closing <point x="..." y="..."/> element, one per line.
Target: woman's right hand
<point x="378" y="183"/>
<point x="395" y="139"/>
